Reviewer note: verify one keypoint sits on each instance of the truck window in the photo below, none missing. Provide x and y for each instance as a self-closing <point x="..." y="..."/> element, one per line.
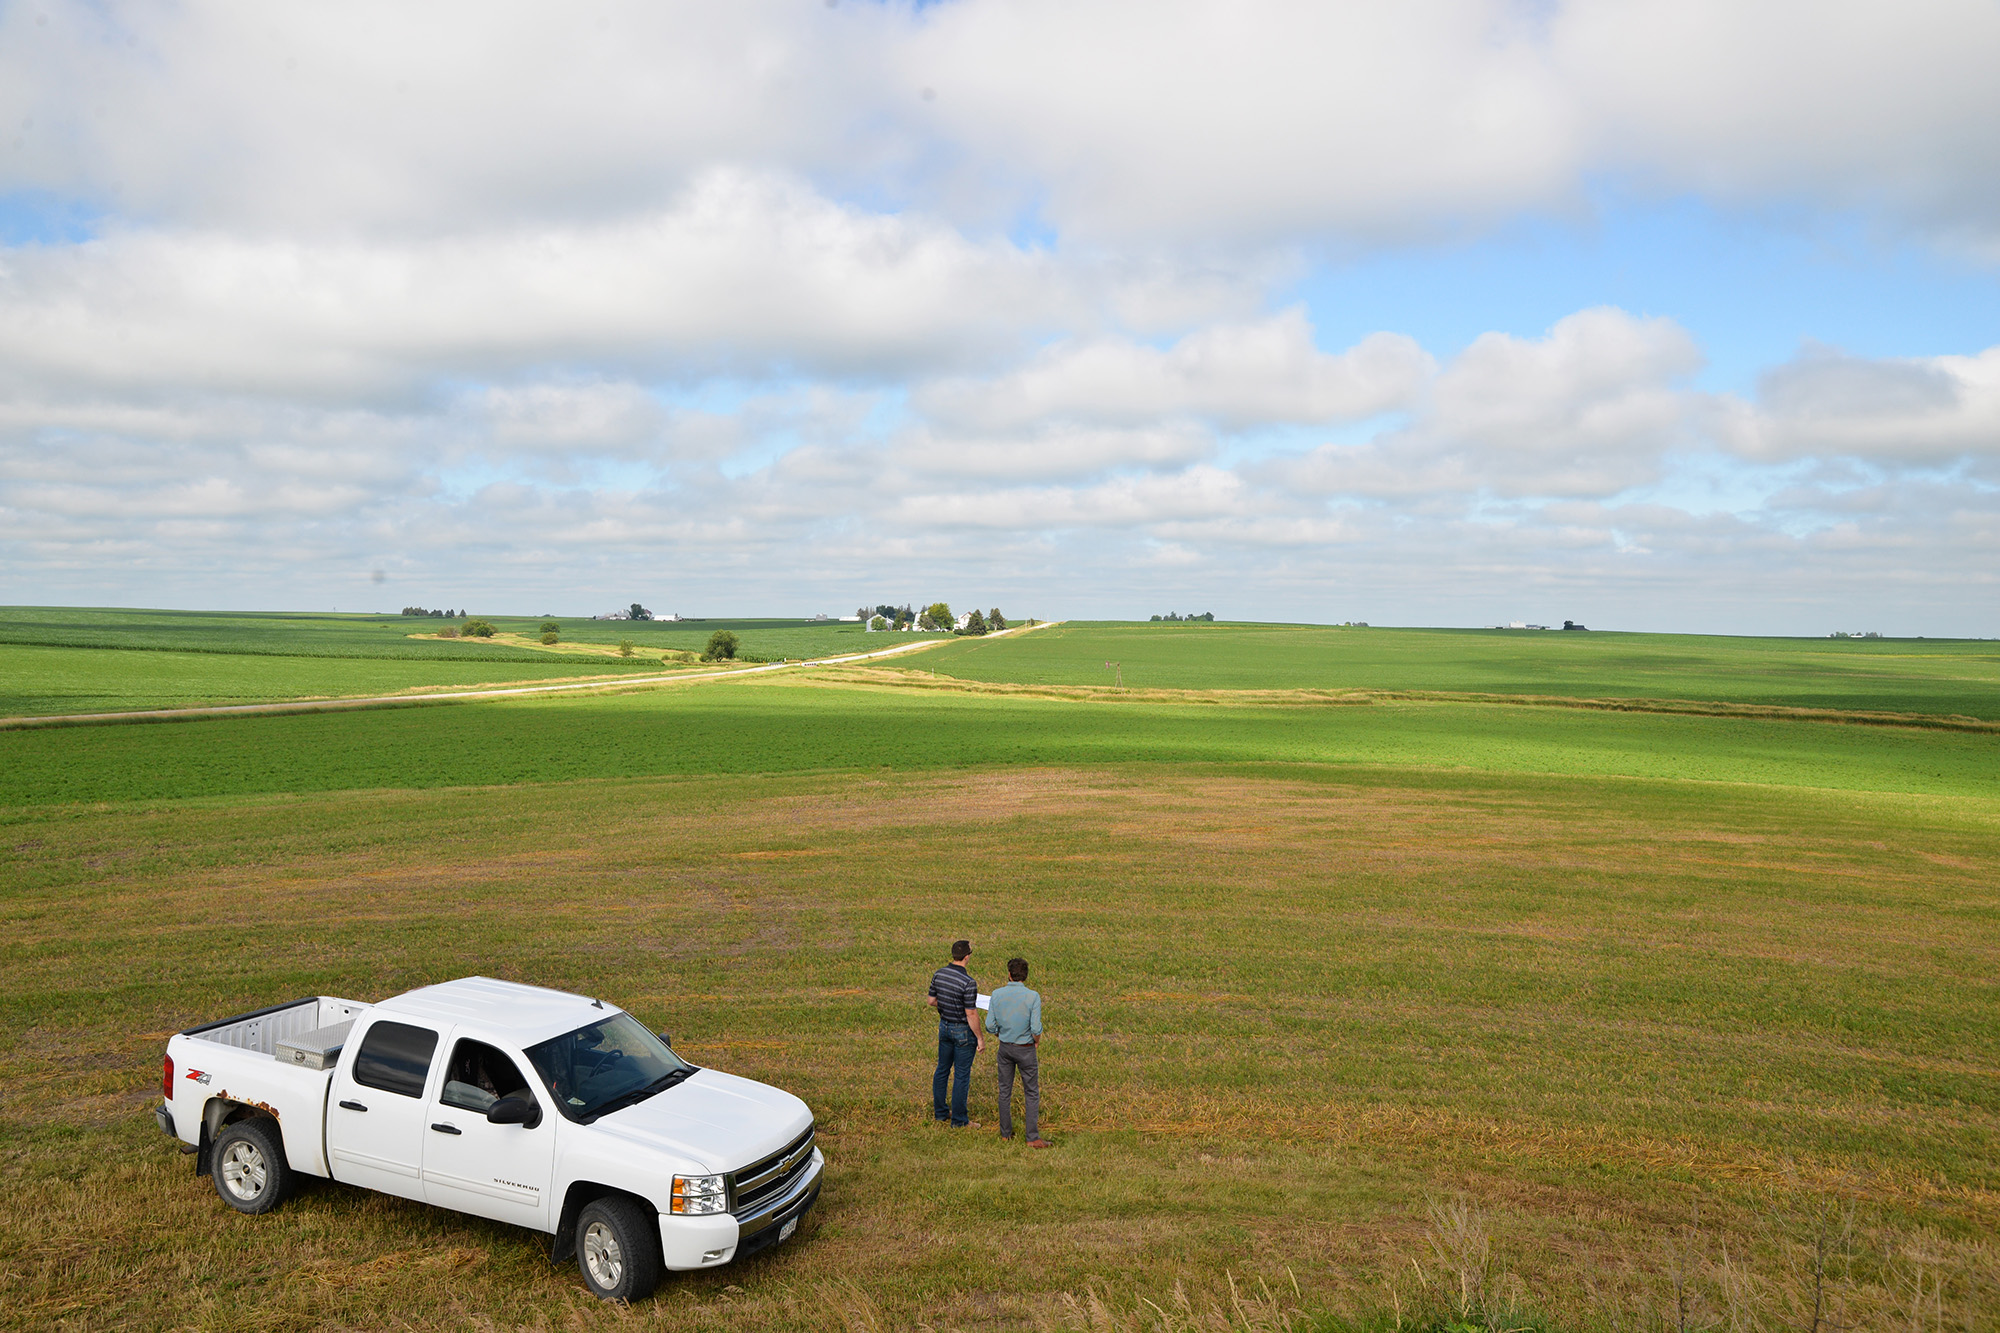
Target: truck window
<point x="479" y="1076"/>
<point x="396" y="1057"/>
<point x="595" y="1066"/>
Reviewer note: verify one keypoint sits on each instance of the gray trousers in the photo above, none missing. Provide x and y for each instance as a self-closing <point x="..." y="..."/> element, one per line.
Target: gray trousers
<point x="1023" y="1058"/>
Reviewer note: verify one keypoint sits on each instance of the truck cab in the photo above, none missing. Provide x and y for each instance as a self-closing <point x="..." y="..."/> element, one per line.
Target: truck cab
<point x="534" y="1107"/>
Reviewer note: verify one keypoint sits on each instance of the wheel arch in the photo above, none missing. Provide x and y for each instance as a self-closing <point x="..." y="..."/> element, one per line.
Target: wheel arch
<point x="580" y="1195"/>
<point x="217" y="1112"/>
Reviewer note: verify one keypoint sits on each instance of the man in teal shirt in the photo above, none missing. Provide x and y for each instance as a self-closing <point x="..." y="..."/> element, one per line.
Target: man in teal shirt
<point x="1014" y="1015"/>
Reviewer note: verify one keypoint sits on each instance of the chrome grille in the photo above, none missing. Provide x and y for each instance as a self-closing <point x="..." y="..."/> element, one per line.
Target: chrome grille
<point x="770" y="1177"/>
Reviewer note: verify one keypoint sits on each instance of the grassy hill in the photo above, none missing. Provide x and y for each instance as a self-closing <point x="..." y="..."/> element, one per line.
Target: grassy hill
<point x="1667" y="1016"/>
<point x="1953" y="676"/>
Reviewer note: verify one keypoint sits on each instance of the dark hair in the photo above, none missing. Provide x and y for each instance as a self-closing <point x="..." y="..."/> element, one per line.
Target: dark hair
<point x="961" y="950"/>
<point x="1017" y="969"/>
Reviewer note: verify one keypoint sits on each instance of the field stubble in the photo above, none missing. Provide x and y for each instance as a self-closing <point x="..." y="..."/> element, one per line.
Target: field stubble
<point x="1296" y="1020"/>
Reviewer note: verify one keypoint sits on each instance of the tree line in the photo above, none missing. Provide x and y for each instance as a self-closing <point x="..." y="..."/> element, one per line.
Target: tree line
<point x="934" y="618"/>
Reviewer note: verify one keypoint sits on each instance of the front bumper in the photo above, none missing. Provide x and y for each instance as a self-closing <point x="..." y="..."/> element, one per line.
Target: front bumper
<point x="710" y="1242"/>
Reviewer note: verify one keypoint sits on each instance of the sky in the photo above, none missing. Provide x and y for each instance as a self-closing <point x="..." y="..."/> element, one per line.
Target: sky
<point x="1652" y="317"/>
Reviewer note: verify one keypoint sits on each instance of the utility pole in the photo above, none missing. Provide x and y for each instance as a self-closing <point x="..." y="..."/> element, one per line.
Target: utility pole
<point x="1113" y="666"/>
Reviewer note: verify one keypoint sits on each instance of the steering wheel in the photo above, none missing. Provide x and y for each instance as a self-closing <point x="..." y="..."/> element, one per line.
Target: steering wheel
<point x="605" y="1060"/>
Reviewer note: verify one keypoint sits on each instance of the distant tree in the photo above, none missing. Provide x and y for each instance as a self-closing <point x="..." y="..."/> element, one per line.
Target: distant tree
<point x="625" y="648"/>
<point x="975" y="623"/>
<point x="640" y="613"/>
<point x="1156" y="617"/>
<point x="861" y="613"/>
<point x="994" y="620"/>
<point x="480" y="629"/>
<point x="550" y="627"/>
<point x="879" y="622"/>
<point x="721" y="647"/>
<point x="940" y="615"/>
<point x="550" y="636"/>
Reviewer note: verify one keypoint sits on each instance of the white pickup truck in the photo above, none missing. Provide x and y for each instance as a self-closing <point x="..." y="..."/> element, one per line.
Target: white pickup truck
<point x="530" y="1106"/>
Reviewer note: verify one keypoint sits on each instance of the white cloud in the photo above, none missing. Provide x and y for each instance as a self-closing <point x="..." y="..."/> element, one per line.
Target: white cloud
<point x="742" y="273"/>
<point x="1243" y="123"/>
<point x="1239" y="374"/>
<point x="491" y="292"/>
<point x="1918" y="411"/>
<point x="1587" y="410"/>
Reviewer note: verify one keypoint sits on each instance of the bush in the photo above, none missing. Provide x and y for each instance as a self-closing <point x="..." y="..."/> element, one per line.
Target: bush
<point x="624" y="647"/>
<point x="721" y="646"/>
<point x="994" y="620"/>
<point x="448" y="632"/>
<point x="550" y="627"/>
<point x="550" y="636"/>
<point x="476" y="629"/>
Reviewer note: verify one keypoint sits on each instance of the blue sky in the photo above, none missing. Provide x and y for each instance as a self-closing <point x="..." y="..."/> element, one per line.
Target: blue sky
<point x="1450" y="312"/>
<point x="1750" y="285"/>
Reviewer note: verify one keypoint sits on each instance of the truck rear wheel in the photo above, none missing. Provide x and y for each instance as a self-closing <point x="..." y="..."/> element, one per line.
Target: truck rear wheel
<point x="618" y="1249"/>
<point x="249" y="1166"/>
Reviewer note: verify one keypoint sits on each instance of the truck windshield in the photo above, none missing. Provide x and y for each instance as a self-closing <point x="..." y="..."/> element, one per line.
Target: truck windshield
<point x="616" y="1060"/>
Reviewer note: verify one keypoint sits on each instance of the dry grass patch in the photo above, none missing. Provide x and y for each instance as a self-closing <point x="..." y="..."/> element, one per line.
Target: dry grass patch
<point x="1289" y="1013"/>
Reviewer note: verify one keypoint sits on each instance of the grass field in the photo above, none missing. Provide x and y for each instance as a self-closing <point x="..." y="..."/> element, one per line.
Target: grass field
<point x="1890" y="675"/>
<point x="1643" y="994"/>
<point x="173" y="659"/>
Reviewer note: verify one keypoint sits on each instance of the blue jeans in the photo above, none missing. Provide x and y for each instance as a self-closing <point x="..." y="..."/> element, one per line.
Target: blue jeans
<point x="956" y="1047"/>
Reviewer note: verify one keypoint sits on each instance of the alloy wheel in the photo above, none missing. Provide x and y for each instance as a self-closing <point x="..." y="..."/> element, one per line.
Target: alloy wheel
<point x="601" y="1253"/>
<point x="243" y="1170"/>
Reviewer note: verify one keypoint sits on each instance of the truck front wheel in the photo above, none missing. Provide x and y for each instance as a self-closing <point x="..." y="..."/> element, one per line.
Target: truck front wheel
<point x="618" y="1249"/>
<point x="250" y="1170"/>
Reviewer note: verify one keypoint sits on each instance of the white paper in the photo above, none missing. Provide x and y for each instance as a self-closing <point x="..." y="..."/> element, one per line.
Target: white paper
<point x="986" y="1002"/>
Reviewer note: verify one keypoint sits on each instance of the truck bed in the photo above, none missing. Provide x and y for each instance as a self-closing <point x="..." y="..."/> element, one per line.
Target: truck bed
<point x="262" y="1029"/>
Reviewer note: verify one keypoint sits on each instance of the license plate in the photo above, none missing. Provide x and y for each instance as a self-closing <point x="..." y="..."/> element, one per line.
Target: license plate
<point x="785" y="1231"/>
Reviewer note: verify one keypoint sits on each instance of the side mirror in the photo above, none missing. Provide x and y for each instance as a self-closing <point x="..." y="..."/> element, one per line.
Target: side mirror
<point x="665" y="1037"/>
<point x="520" y="1109"/>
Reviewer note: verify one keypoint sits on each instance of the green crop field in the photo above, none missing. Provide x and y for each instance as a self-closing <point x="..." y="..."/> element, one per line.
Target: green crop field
<point x="174" y="659"/>
<point x="1401" y="1012"/>
<point x="1959" y="676"/>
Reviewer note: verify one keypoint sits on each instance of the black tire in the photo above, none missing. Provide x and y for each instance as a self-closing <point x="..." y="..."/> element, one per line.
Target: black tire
<point x="249" y="1168"/>
<point x="618" y="1249"/>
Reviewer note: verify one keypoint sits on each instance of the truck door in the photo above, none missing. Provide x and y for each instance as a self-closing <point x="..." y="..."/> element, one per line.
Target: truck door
<point x="375" y="1128"/>
<point x="475" y="1166"/>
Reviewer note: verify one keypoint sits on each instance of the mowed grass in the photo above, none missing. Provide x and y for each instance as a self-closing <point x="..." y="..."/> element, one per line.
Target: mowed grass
<point x="769" y="639"/>
<point x="1959" y="676"/>
<point x="40" y="682"/>
<point x="56" y="660"/>
<point x="779" y="724"/>
<point x="1288" y="1006"/>
<point x="1651" y="993"/>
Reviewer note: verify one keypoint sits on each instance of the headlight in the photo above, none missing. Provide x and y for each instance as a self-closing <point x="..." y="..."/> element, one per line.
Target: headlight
<point x="700" y="1194"/>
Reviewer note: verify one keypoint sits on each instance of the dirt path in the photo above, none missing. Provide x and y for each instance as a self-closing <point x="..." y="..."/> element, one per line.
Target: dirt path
<point x="443" y="696"/>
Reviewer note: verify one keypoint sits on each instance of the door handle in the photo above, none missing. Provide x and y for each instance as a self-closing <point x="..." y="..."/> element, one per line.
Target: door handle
<point x="447" y="1129"/>
<point x="352" y="1106"/>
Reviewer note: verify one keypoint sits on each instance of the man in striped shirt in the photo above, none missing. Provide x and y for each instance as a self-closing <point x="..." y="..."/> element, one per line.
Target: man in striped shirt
<point x="956" y="997"/>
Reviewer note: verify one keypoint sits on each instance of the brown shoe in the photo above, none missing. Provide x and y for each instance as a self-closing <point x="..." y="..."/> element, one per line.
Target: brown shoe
<point x="1040" y="1143"/>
